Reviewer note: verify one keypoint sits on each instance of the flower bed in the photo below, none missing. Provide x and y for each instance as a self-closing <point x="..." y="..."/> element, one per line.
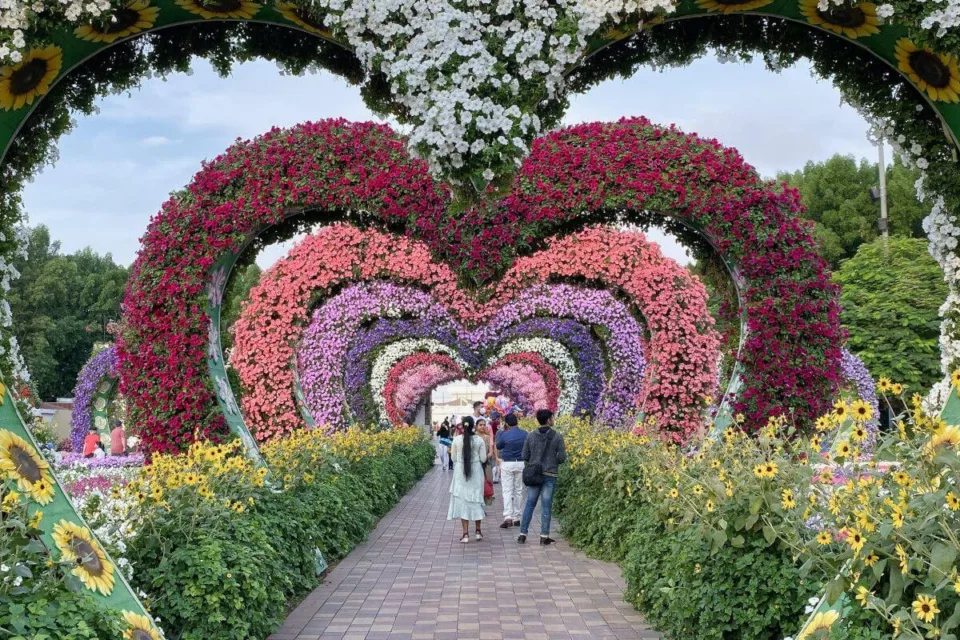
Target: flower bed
<point x="748" y="529"/>
<point x="220" y="548"/>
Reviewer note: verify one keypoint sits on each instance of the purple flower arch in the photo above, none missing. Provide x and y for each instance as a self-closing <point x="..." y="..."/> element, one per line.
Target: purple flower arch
<point x="102" y="366"/>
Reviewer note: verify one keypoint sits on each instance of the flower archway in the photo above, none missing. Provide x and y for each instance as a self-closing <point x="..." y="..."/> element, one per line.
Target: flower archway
<point x="336" y="166"/>
<point x="476" y="131"/>
<point x="360" y="331"/>
<point x="95" y="391"/>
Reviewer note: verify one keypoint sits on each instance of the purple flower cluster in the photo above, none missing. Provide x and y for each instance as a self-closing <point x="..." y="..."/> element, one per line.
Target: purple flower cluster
<point x="855" y="372"/>
<point x="75" y="459"/>
<point x="326" y="342"/>
<point x="336" y="342"/>
<point x="102" y="365"/>
<point x="624" y="342"/>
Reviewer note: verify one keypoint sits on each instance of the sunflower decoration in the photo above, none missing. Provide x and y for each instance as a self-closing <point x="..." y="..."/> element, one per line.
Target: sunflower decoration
<point x="935" y="74"/>
<point x="732" y="6"/>
<point x="236" y="9"/>
<point x="854" y="21"/>
<point x="300" y="16"/>
<point x="29" y="79"/>
<point x="76" y="544"/>
<point x="133" y="17"/>
<point x="20" y="462"/>
<point x="139" y="627"/>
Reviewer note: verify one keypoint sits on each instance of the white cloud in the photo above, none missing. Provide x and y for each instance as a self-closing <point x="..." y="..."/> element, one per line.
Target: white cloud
<point x="105" y="189"/>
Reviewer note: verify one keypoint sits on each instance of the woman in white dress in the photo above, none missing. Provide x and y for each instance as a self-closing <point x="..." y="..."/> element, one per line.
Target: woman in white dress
<point x="469" y="452"/>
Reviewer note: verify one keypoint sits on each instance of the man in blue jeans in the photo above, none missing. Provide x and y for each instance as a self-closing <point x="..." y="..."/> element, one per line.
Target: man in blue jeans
<point x="543" y="446"/>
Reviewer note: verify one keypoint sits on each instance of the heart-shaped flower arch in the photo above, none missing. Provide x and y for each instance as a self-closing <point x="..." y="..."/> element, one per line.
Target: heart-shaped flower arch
<point x="568" y="346"/>
<point x="629" y="171"/>
<point x="672" y="303"/>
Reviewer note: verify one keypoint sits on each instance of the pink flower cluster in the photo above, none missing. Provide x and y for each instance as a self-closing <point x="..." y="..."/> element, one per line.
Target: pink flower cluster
<point x="411" y="378"/>
<point x="525" y="375"/>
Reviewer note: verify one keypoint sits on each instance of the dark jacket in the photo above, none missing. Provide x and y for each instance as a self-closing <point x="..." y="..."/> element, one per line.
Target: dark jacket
<point x="534" y="445"/>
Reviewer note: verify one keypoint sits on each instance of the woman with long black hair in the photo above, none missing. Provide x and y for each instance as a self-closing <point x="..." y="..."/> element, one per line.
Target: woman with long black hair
<point x="469" y="452"/>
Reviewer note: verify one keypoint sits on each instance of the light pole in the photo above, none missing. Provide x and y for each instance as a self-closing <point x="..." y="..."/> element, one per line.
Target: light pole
<point x="883" y="193"/>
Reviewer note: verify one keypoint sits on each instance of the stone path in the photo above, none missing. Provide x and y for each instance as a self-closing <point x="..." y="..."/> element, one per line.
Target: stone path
<point x="413" y="579"/>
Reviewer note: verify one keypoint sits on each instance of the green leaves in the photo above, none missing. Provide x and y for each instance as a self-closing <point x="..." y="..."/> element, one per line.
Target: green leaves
<point x="890" y="301"/>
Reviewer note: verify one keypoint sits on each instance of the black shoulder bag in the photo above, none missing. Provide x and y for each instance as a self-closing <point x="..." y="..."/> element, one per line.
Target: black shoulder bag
<point x="533" y="472"/>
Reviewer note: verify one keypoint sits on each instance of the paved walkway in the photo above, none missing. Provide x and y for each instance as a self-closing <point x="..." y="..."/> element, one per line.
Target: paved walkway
<point x="413" y="579"/>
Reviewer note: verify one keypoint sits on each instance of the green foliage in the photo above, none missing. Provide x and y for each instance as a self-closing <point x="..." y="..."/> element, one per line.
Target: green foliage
<point x="686" y="591"/>
<point x="226" y="567"/>
<point x="221" y="577"/>
<point x="836" y="194"/>
<point x="61" y="305"/>
<point x="890" y="300"/>
<point x="735" y="580"/>
<point x="39" y="600"/>
<point x="241" y="282"/>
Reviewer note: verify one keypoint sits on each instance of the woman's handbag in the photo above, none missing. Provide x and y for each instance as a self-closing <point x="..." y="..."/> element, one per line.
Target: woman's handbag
<point x="446" y="442"/>
<point x="487" y="492"/>
<point x="533" y="472"/>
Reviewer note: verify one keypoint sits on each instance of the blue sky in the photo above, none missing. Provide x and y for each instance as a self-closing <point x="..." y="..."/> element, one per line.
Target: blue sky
<point x="119" y="165"/>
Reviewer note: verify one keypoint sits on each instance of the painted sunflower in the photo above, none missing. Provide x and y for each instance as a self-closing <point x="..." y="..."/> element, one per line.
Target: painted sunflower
<point x="301" y="17"/>
<point x="76" y="544"/>
<point x="854" y="21"/>
<point x="133" y="17"/>
<point x="732" y="6"/>
<point x="236" y="9"/>
<point x="21" y="463"/>
<point x="935" y="74"/>
<point x="139" y="627"/>
<point x="29" y="79"/>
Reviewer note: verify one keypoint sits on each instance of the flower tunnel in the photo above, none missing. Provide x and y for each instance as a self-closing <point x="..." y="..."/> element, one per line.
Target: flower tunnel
<point x="565" y="298"/>
<point x="373" y="347"/>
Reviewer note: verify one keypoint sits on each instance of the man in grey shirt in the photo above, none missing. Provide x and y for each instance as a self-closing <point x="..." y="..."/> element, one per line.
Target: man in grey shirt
<point x="543" y="446"/>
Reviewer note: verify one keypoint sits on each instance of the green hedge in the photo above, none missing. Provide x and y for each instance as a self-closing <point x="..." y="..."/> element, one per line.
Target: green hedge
<point x="231" y="575"/>
<point x="685" y="585"/>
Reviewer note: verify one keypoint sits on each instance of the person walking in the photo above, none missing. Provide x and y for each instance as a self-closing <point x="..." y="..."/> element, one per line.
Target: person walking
<point x="510" y="441"/>
<point x="544" y="452"/>
<point x="469" y="452"/>
<point x="443" y="444"/>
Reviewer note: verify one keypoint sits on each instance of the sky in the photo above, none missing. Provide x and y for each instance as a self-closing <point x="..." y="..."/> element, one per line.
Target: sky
<point x="118" y="166"/>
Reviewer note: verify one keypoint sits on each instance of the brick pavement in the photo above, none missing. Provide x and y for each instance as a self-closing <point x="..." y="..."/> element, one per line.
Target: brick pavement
<point x="413" y="579"/>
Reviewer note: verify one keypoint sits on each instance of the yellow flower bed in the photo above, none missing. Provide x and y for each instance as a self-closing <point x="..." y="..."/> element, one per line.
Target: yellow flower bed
<point x="887" y="522"/>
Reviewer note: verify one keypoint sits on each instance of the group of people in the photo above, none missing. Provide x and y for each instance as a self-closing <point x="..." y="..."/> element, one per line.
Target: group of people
<point x="477" y="451"/>
<point x="93" y="443"/>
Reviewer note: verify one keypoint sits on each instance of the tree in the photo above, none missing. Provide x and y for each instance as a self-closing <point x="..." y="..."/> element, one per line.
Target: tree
<point x="243" y="280"/>
<point x="61" y="305"/>
<point x="836" y="194"/>
<point x="890" y="299"/>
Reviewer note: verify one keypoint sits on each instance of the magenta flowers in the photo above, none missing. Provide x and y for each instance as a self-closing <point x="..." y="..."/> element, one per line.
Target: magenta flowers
<point x="574" y="178"/>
